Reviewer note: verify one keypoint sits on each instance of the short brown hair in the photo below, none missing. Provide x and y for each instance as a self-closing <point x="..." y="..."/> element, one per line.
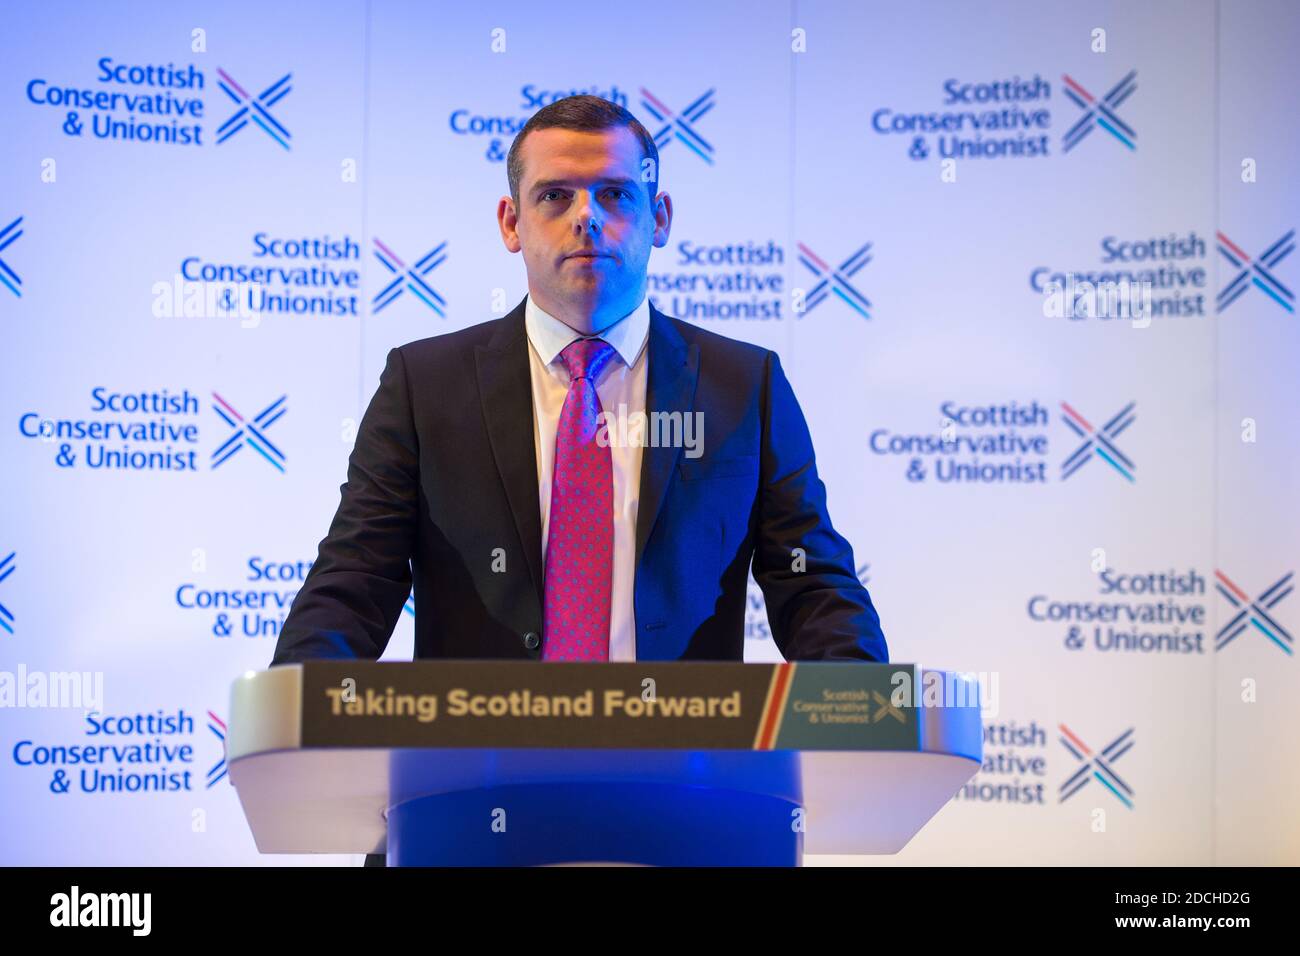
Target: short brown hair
<point x="582" y="111"/>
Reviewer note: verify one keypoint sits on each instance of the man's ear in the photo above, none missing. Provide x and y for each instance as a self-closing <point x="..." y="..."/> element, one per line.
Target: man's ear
<point x="508" y="222"/>
<point x="663" y="213"/>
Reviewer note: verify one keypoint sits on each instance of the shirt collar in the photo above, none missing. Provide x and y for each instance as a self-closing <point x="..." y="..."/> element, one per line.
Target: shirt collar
<point x="550" y="336"/>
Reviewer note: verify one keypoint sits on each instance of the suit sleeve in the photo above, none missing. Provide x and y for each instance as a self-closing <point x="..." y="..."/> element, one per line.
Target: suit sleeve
<point x="820" y="610"/>
<point x="352" y="596"/>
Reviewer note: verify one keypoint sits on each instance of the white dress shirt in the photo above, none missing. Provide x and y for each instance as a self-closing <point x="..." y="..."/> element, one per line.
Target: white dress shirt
<point x="620" y="383"/>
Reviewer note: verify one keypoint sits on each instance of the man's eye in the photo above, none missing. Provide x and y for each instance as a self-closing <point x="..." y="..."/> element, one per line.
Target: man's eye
<point x="621" y="194"/>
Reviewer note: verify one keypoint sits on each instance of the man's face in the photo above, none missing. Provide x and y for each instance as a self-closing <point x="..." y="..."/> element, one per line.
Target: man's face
<point x="585" y="224"/>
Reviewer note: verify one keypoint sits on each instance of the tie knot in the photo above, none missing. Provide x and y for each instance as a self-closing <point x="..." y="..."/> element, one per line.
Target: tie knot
<point x="584" y="358"/>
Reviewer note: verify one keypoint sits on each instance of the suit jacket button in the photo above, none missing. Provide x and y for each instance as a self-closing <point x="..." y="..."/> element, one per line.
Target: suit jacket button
<point x="532" y="640"/>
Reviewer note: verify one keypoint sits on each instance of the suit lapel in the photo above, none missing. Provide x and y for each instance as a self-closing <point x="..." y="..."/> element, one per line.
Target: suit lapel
<point x="670" y="387"/>
<point x="505" y="385"/>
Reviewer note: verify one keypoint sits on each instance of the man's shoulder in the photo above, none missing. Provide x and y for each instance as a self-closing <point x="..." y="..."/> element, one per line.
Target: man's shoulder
<point x="459" y="343"/>
<point x="715" y="344"/>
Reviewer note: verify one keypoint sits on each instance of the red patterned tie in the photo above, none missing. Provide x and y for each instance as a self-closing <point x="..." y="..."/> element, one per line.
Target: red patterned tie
<point x="580" y="533"/>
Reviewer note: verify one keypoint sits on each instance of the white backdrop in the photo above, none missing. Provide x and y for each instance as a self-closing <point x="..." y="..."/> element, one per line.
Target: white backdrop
<point x="879" y="192"/>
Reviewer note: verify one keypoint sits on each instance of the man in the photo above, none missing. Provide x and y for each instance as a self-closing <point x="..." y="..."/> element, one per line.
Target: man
<point x="493" y="467"/>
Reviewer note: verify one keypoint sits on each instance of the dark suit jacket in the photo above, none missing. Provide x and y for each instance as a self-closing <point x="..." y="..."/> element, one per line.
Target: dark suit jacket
<point x="443" y="474"/>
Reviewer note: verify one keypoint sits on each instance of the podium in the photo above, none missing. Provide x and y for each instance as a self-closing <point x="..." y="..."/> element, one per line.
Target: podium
<point x="478" y="763"/>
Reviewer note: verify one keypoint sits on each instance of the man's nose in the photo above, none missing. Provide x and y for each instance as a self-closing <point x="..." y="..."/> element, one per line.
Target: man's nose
<point x="587" y="214"/>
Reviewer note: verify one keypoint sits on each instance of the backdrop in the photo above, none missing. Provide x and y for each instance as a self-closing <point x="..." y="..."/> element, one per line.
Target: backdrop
<point x="216" y="221"/>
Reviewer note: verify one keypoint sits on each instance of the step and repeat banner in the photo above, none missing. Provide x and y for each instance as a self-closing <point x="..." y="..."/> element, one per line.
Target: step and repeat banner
<point x="1030" y="267"/>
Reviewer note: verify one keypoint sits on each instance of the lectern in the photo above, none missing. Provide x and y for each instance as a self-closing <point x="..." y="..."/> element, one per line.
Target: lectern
<point x="662" y="763"/>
